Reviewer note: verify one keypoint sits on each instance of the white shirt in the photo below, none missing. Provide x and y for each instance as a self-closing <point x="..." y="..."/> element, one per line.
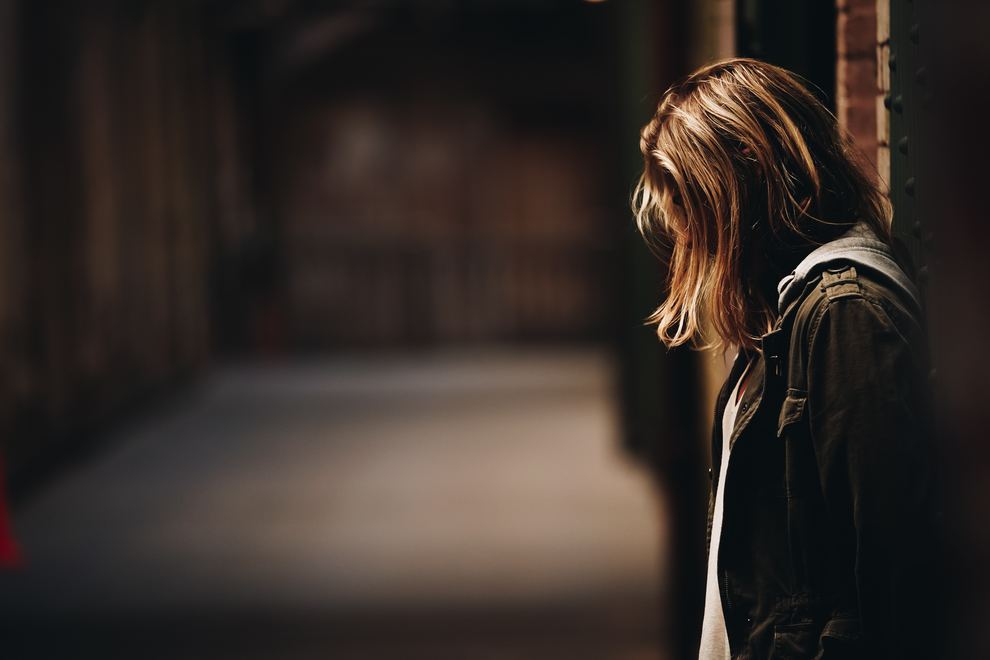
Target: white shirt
<point x="714" y="638"/>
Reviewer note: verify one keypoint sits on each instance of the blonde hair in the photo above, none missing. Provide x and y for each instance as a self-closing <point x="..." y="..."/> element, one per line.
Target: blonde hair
<point x="738" y="154"/>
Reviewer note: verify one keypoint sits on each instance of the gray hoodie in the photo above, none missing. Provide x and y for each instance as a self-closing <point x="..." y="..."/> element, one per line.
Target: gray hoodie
<point x="863" y="249"/>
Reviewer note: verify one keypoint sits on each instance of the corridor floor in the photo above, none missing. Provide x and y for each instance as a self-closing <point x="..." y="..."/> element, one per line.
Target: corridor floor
<point x="444" y="505"/>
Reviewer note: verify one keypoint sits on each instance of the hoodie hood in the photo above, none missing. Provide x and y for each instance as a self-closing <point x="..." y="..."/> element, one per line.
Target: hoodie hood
<point x="859" y="246"/>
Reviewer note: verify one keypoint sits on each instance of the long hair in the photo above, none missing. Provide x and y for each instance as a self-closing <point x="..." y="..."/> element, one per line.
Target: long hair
<point x="744" y="170"/>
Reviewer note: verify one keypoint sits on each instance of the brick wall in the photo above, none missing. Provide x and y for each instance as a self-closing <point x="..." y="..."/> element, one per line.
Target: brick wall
<point x="861" y="77"/>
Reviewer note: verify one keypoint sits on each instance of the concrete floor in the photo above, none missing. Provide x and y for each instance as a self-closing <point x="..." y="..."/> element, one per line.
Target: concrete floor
<point x="461" y="505"/>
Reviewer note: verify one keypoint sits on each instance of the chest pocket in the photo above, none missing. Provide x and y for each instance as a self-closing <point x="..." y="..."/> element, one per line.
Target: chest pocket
<point x="792" y="410"/>
<point x="800" y="470"/>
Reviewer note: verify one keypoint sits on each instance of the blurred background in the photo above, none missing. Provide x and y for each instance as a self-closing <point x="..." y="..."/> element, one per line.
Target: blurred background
<point x="321" y="322"/>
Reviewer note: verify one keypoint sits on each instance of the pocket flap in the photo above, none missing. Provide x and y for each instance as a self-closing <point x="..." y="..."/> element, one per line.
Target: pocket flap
<point x="791" y="410"/>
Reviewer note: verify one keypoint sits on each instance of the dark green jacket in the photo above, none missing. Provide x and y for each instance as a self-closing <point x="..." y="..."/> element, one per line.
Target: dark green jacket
<point x="830" y="544"/>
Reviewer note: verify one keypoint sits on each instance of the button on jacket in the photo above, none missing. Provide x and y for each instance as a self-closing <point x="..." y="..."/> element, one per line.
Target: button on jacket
<point x="830" y="544"/>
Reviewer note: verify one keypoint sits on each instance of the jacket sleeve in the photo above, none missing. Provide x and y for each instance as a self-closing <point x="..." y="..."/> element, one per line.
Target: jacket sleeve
<point x="869" y="421"/>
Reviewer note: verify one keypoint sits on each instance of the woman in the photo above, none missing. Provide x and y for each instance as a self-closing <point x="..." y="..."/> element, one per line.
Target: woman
<point x="823" y="506"/>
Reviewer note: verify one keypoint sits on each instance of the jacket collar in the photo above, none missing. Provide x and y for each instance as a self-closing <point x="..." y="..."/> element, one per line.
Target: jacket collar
<point x="859" y="245"/>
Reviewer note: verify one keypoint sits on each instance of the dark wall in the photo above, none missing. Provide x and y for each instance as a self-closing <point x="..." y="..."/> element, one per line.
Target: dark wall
<point x="799" y="36"/>
<point x="107" y="152"/>
<point x="948" y="114"/>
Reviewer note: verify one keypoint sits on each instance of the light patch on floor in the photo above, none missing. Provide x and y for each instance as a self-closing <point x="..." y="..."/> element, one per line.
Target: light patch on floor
<point x="449" y="479"/>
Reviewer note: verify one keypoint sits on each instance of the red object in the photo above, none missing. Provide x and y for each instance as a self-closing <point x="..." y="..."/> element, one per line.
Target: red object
<point x="10" y="554"/>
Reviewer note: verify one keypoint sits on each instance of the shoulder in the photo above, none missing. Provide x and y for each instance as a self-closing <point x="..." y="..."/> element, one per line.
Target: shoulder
<point x="849" y="301"/>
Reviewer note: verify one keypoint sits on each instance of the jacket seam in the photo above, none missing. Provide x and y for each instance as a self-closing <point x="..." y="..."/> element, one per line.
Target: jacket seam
<point x="821" y="307"/>
<point x="889" y="315"/>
